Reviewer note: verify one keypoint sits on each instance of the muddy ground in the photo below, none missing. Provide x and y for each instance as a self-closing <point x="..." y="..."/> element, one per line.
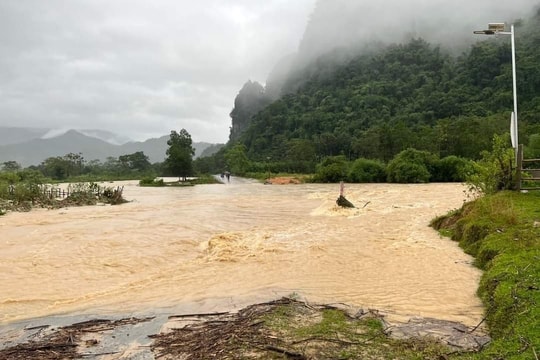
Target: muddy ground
<point x="280" y="329"/>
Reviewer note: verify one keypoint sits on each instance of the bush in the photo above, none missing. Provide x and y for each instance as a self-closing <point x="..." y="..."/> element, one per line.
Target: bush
<point x="452" y="169"/>
<point x="494" y="171"/>
<point x="22" y="186"/>
<point x="332" y="169"/>
<point x="411" y="166"/>
<point x="367" y="171"/>
<point x="405" y="172"/>
<point x="151" y="181"/>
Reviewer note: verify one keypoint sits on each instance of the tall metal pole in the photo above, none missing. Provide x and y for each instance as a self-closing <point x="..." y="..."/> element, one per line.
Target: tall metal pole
<point x="514" y="86"/>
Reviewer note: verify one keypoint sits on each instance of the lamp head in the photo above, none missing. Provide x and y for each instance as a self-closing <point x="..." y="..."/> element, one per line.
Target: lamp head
<point x="496" y="27"/>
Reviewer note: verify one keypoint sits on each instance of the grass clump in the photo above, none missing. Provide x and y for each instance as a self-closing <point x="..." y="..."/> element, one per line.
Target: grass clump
<point x="151" y="181"/>
<point x="331" y="333"/>
<point x="502" y="231"/>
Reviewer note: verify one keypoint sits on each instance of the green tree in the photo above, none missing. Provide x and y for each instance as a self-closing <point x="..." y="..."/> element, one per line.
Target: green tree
<point x="74" y="164"/>
<point x="452" y="169"/>
<point x="179" y="161"/>
<point x="237" y="160"/>
<point x="533" y="149"/>
<point x="63" y="167"/>
<point x="367" y="171"/>
<point x="332" y="169"/>
<point x="56" y="168"/>
<point x="411" y="166"/>
<point x="11" y="166"/>
<point x="494" y="171"/>
<point x="137" y="161"/>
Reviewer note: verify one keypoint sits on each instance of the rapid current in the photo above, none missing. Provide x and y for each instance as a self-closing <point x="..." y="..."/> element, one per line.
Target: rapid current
<point x="223" y="246"/>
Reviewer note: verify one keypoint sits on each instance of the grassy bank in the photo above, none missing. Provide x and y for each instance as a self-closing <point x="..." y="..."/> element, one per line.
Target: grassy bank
<point x="502" y="232"/>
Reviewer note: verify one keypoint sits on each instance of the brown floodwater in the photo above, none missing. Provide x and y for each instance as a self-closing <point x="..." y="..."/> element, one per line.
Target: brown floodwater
<point x="214" y="247"/>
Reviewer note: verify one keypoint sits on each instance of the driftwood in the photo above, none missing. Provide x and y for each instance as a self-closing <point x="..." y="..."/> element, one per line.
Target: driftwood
<point x="65" y="342"/>
<point x="343" y="202"/>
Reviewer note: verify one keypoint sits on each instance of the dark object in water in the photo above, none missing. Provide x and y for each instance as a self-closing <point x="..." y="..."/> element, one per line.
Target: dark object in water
<point x="341" y="201"/>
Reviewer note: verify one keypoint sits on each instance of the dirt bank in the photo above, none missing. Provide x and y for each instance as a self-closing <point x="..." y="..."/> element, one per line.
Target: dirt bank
<point x="281" y="329"/>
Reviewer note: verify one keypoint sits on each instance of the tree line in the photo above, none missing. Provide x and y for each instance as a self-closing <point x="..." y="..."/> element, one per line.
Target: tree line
<point x="72" y="166"/>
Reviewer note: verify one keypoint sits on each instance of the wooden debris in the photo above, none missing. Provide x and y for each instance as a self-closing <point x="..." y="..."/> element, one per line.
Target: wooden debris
<point x="343" y="202"/>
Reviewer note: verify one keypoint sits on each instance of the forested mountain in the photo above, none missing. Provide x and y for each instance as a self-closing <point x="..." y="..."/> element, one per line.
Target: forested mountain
<point x="414" y="94"/>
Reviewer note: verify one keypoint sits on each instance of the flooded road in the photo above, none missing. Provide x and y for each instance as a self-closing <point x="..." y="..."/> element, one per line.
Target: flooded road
<point x="215" y="247"/>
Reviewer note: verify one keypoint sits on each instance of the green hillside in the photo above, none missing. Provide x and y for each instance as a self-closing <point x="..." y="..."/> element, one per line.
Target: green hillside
<point x="405" y="95"/>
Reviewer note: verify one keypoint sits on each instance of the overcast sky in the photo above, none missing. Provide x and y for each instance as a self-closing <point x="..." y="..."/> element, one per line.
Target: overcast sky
<point x="140" y="68"/>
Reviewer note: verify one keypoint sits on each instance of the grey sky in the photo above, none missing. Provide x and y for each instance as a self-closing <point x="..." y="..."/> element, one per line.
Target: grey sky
<point x="141" y="68"/>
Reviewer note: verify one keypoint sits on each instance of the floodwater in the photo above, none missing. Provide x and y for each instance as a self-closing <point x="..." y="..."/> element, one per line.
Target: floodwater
<point x="223" y="246"/>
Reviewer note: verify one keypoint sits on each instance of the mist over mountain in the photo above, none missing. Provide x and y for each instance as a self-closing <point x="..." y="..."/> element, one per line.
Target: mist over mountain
<point x="414" y="94"/>
<point x="340" y="30"/>
<point x="356" y="24"/>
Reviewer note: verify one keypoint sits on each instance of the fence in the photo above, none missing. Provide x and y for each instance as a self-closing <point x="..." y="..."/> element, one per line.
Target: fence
<point x="528" y="178"/>
<point x="59" y="193"/>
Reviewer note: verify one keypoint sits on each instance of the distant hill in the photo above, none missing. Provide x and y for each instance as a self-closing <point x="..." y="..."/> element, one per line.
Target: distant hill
<point x="32" y="151"/>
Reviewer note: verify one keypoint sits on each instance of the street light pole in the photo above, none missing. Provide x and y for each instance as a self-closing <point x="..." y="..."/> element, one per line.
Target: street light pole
<point x="515" y="119"/>
<point x="498" y="29"/>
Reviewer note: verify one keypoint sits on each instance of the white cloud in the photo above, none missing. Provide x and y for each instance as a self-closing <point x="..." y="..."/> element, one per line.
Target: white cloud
<point x="139" y="68"/>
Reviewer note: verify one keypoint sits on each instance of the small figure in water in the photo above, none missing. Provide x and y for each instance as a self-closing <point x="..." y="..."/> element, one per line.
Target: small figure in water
<point x="228" y="175"/>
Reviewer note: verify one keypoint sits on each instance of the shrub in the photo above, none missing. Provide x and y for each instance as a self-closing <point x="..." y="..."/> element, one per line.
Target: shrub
<point x="365" y="171"/>
<point x="332" y="169"/>
<point x="151" y="181"/>
<point x="452" y="169"/>
<point x="494" y="171"/>
<point x="404" y="172"/>
<point x="411" y="166"/>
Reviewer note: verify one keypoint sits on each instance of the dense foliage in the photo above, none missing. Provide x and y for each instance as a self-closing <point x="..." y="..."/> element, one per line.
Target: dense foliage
<point x="412" y="95"/>
<point x="409" y="166"/>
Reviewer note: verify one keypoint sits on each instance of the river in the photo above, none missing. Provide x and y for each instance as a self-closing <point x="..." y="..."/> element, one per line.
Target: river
<point x="223" y="246"/>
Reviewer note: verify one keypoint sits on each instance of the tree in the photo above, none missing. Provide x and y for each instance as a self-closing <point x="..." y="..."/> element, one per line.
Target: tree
<point x="237" y="160"/>
<point x="494" y="171"/>
<point x="11" y="166"/>
<point x="179" y="161"/>
<point x="74" y="164"/>
<point x="531" y="151"/>
<point x="137" y="161"/>
<point x="367" y="171"/>
<point x="61" y="168"/>
<point x="411" y="166"/>
<point x="55" y="167"/>
<point x="332" y="169"/>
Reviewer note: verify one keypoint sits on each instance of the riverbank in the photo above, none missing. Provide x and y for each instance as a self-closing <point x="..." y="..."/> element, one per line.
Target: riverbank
<point x="286" y="328"/>
<point x="502" y="232"/>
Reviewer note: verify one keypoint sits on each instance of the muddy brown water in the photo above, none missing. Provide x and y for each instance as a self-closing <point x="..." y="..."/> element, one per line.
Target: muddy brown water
<point x="214" y="247"/>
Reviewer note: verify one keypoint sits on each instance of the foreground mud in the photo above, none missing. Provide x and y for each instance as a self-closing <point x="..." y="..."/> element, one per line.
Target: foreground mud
<point x="281" y="329"/>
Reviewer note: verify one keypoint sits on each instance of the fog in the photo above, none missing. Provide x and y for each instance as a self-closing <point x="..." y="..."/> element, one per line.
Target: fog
<point x="142" y="68"/>
<point x="339" y="23"/>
